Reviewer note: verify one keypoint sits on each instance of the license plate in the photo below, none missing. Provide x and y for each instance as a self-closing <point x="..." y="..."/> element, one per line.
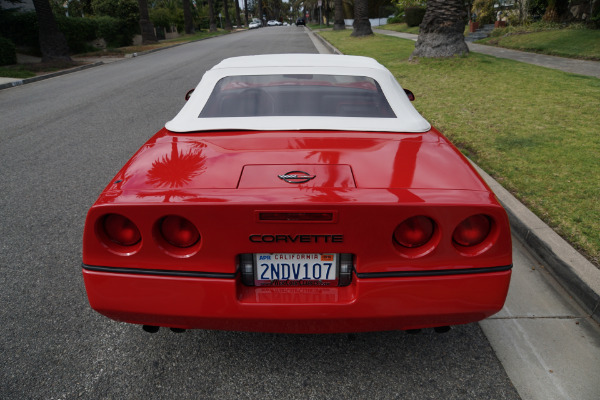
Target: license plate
<point x="294" y="269"/>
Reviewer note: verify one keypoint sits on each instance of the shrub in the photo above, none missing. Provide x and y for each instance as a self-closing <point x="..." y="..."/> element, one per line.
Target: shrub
<point x="78" y="32"/>
<point x="116" y="32"/>
<point x="161" y="18"/>
<point x="20" y="28"/>
<point x="484" y="9"/>
<point x="396" y="19"/>
<point x="414" y="16"/>
<point x="126" y="10"/>
<point x="8" y="52"/>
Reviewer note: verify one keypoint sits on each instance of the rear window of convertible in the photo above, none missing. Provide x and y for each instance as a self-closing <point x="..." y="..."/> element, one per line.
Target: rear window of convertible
<point x="297" y="95"/>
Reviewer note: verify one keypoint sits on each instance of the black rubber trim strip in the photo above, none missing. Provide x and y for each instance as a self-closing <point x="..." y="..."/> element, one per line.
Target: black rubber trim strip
<point x="139" y="271"/>
<point x="404" y="274"/>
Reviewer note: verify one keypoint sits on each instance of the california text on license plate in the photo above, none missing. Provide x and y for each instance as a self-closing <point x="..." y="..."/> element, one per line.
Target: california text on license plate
<point x="293" y="269"/>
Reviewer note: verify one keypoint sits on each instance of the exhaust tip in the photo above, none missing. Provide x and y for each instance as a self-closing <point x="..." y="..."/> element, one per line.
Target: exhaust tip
<point x="177" y="330"/>
<point x="150" y="328"/>
<point x="442" y="329"/>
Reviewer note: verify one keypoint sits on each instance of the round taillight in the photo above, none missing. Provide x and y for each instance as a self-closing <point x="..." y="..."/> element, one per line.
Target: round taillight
<point x="179" y="231"/>
<point x="121" y="230"/>
<point x="414" y="232"/>
<point x="472" y="231"/>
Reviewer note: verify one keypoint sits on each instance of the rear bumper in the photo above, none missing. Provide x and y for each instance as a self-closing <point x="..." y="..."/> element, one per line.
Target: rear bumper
<point x="368" y="304"/>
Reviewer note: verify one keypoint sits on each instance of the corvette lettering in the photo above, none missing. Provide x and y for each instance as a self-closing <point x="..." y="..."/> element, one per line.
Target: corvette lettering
<point x="296" y="238"/>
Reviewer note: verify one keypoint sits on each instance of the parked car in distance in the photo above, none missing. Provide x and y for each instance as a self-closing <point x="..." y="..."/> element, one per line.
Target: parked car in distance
<point x="300" y="21"/>
<point x="297" y="193"/>
<point x="254" y="24"/>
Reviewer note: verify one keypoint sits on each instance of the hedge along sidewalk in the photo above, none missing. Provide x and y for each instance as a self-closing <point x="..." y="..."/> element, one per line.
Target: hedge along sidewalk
<point x="574" y="66"/>
<point x="576" y="274"/>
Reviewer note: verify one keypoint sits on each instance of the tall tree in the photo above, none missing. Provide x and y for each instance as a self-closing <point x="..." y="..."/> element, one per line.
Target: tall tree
<point x="361" y="25"/>
<point x="187" y="17"/>
<point x="211" y="16"/>
<point x="53" y="44"/>
<point x="246" y="11"/>
<point x="441" y="34"/>
<point x="238" y="21"/>
<point x="338" y="19"/>
<point x="148" y="35"/>
<point x="228" y="25"/>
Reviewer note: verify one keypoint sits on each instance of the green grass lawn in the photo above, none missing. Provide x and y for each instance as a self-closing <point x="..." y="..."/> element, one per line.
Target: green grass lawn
<point x="401" y="28"/>
<point x="315" y="27"/>
<point x="17" y="72"/>
<point x="534" y="129"/>
<point x="573" y="43"/>
<point x="23" y="71"/>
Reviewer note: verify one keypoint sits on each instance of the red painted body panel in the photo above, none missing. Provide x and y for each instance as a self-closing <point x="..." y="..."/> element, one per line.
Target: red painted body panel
<point x="371" y="182"/>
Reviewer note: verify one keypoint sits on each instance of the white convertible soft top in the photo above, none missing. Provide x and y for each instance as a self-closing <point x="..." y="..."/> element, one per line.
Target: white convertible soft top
<point x="407" y="118"/>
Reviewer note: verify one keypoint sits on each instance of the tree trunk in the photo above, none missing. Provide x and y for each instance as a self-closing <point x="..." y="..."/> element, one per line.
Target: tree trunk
<point x="338" y="22"/>
<point x="187" y="17"/>
<point x="246" y="12"/>
<point x="361" y="26"/>
<point x="53" y="44"/>
<point x="442" y="30"/>
<point x="228" y="25"/>
<point x="238" y="21"/>
<point x="148" y="35"/>
<point x="260" y="12"/>
<point x="211" y="17"/>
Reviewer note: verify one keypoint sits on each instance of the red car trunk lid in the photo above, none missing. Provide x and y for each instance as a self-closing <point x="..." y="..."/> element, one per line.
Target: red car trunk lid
<point x="282" y="176"/>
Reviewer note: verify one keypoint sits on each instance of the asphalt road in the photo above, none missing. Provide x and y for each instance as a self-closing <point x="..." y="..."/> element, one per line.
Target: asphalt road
<point x="61" y="141"/>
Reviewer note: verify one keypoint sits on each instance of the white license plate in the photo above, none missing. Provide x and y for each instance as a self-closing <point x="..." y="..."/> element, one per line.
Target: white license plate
<point x="293" y="269"/>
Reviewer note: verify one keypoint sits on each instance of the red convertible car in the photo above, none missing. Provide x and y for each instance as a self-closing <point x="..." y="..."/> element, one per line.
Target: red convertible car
<point x="297" y="194"/>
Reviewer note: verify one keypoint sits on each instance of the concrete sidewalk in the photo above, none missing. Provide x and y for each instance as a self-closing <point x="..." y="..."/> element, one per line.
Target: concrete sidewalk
<point x="581" y="67"/>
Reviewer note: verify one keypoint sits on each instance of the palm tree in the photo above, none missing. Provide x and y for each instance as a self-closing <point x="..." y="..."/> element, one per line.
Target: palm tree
<point x="237" y="13"/>
<point x="211" y="16"/>
<point x="361" y="26"/>
<point x="53" y="44"/>
<point x="442" y="30"/>
<point x="187" y="17"/>
<point x="227" y="17"/>
<point x="338" y="19"/>
<point x="148" y="35"/>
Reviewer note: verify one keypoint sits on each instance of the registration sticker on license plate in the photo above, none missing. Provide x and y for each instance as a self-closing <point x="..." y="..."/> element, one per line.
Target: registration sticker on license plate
<point x="296" y="269"/>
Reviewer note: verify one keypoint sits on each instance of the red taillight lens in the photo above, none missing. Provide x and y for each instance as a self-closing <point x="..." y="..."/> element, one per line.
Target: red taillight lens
<point x="179" y="231"/>
<point x="414" y="232"/>
<point x="121" y="230"/>
<point x="472" y="230"/>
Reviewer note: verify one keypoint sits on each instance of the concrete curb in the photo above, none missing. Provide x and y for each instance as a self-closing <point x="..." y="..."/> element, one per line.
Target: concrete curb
<point x="579" y="277"/>
<point x="329" y="46"/>
<point x="48" y="76"/>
